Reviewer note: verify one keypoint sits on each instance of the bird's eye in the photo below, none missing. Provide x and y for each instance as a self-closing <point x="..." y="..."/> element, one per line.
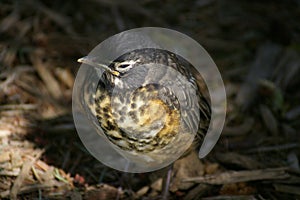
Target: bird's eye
<point x="123" y="66"/>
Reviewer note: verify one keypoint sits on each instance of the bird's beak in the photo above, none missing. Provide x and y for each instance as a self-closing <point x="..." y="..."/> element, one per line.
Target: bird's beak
<point x="89" y="61"/>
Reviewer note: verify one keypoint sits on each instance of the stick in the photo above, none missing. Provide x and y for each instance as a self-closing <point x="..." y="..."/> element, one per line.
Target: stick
<point x="241" y="176"/>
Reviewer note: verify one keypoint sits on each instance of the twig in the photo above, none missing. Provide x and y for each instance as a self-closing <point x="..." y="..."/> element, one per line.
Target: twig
<point x="65" y="76"/>
<point x="232" y="158"/>
<point x="59" y="129"/>
<point x="197" y="192"/>
<point x="269" y="119"/>
<point x="9" y="173"/>
<point x="274" y="148"/>
<point x="46" y="75"/>
<point x="28" y="188"/>
<point x="242" y="176"/>
<point x="63" y="21"/>
<point x="12" y="76"/>
<point x="240" y="129"/>
<point x="10" y="20"/>
<point x="23" y="174"/>
<point x="18" y="107"/>
<point x="287" y="189"/>
<point x="262" y="67"/>
<point x="235" y="197"/>
<point x="76" y="163"/>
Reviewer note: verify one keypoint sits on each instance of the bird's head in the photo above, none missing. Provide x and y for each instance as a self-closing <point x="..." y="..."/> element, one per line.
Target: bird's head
<point x="117" y="71"/>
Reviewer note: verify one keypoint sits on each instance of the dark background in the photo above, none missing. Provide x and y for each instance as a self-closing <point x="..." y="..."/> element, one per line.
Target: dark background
<point x="256" y="46"/>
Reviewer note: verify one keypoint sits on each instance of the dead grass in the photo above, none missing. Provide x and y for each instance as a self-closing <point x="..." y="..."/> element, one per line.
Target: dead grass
<point x="255" y="45"/>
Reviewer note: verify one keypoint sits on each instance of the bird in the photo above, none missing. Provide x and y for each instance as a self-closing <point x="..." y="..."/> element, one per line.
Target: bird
<point x="151" y="105"/>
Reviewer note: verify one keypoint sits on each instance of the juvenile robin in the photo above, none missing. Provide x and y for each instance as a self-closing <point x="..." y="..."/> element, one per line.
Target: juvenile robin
<point x="150" y="104"/>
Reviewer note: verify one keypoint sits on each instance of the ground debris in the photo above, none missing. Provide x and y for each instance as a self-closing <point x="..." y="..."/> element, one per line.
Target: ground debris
<point x="256" y="51"/>
<point x="241" y="176"/>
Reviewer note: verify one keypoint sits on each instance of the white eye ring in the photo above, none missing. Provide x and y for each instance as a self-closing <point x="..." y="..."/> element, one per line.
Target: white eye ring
<point x="125" y="66"/>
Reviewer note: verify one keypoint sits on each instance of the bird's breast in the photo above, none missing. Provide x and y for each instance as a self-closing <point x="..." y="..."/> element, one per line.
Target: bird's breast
<point x="143" y="117"/>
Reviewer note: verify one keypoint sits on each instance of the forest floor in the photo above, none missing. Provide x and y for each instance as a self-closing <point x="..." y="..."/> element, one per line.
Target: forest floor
<point x="255" y="45"/>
